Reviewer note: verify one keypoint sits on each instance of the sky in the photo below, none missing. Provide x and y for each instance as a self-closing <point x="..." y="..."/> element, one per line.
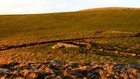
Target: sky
<point x="50" y="6"/>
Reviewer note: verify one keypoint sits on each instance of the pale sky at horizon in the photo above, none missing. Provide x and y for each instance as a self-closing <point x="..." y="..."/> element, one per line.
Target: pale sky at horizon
<point x="49" y="6"/>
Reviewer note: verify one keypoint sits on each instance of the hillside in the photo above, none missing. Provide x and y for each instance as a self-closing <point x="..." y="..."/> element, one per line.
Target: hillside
<point x="127" y="20"/>
<point x="29" y="38"/>
<point x="101" y="43"/>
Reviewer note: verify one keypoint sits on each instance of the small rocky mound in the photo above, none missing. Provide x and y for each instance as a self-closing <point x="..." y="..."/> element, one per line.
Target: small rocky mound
<point x="69" y="45"/>
<point x="57" y="69"/>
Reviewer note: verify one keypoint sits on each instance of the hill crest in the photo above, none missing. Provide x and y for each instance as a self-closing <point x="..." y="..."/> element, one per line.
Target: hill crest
<point x="111" y="8"/>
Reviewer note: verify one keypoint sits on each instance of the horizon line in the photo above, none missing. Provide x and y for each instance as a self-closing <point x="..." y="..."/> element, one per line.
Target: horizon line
<point x="96" y="8"/>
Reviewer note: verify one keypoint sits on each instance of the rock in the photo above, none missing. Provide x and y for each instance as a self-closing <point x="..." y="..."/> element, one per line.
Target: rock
<point x="138" y="76"/>
<point x="19" y="78"/>
<point x="95" y="66"/>
<point x="110" y="68"/>
<point x="100" y="49"/>
<point x="99" y="32"/>
<point x="132" y="76"/>
<point x="73" y="77"/>
<point x="132" y="73"/>
<point x="49" y="71"/>
<point x="89" y="45"/>
<point x="111" y="76"/>
<point x="65" y="73"/>
<point x="94" y="63"/>
<point x="2" y="77"/>
<point x="104" y="77"/>
<point x="72" y="64"/>
<point x="31" y="68"/>
<point x="71" y="45"/>
<point x="134" y="54"/>
<point x="50" y="77"/>
<point x="123" y="53"/>
<point x="15" y="72"/>
<point x="66" y="45"/>
<point x="124" y="76"/>
<point x="42" y="75"/>
<point x="82" y="68"/>
<point x="138" y="54"/>
<point x="33" y="75"/>
<point x="116" y="52"/>
<point x="55" y="64"/>
<point x="5" y="71"/>
<point x="80" y="76"/>
<point x="55" y="47"/>
<point x="25" y="72"/>
<point x="95" y="72"/>
<point x="42" y="68"/>
<point x="58" y="77"/>
<point x="136" y="66"/>
<point x="74" y="72"/>
<point x="130" y="54"/>
<point x="22" y="65"/>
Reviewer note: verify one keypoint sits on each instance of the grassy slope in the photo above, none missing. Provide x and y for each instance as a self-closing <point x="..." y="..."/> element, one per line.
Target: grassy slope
<point x="19" y="29"/>
<point x="67" y="22"/>
<point x="25" y="26"/>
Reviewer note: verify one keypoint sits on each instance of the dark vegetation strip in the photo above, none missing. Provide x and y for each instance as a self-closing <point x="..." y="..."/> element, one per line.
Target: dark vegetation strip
<point x="53" y="41"/>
